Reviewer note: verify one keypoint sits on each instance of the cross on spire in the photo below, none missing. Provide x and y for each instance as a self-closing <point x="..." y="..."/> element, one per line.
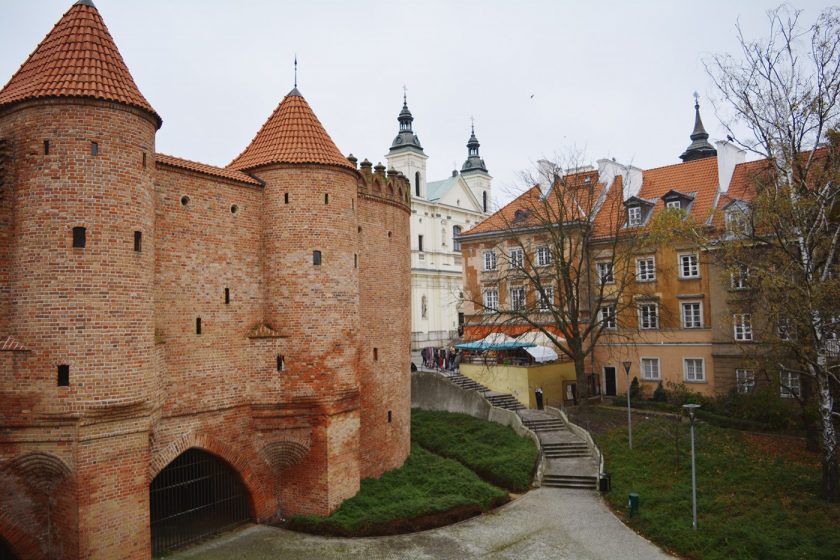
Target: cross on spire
<point x="295" y="70"/>
<point x="696" y="99"/>
<point x="405" y="94"/>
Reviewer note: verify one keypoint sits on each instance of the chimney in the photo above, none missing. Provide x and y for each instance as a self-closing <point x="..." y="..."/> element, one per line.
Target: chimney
<point x="728" y="156"/>
<point x="546" y="172"/>
<point x="631" y="177"/>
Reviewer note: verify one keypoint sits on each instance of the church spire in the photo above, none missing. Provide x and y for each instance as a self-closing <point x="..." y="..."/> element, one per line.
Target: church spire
<point x="405" y="137"/>
<point x="474" y="161"/>
<point x="699" y="147"/>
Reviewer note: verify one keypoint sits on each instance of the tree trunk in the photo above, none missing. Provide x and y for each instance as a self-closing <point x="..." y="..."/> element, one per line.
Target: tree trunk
<point x="830" y="490"/>
<point x="580" y="380"/>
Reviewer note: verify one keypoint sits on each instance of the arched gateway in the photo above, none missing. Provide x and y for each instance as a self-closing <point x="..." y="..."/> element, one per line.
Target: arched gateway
<point x="195" y="496"/>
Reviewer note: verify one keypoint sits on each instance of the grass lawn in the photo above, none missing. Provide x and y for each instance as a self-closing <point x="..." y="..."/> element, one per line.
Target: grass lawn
<point x="431" y="490"/>
<point x="493" y="451"/>
<point x="756" y="495"/>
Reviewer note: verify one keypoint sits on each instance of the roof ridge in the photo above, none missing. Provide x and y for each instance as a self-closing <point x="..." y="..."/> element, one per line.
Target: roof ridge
<point x="77" y="58"/>
<point x="691" y="162"/>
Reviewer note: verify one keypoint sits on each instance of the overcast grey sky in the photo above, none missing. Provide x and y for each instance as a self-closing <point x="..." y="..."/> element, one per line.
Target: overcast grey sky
<point x="612" y="78"/>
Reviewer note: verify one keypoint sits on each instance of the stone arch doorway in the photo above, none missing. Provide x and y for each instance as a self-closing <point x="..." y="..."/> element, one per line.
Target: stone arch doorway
<point x="6" y="552"/>
<point x="195" y="496"/>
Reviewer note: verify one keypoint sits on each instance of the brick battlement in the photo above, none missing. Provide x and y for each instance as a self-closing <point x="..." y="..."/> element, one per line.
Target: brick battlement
<point x="376" y="183"/>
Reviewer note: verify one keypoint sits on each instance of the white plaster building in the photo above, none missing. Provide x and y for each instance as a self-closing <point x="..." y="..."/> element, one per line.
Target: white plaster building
<point x="440" y="211"/>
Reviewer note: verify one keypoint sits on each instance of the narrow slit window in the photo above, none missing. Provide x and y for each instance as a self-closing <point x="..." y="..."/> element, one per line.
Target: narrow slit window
<point x="375" y="354"/>
<point x="316" y="258"/>
<point x="144" y="159"/>
<point x="46" y="147"/>
<point x="79" y="237"/>
<point x="227" y="296"/>
<point x="64" y="375"/>
<point x="94" y="149"/>
<point x="326" y="198"/>
<point x="138" y="241"/>
<point x="281" y="363"/>
<point x="198" y="325"/>
<point x="389" y="416"/>
<point x="355" y="260"/>
<point x="285" y="198"/>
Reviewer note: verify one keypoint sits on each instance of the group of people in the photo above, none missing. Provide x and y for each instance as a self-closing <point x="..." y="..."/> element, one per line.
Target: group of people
<point x="441" y="359"/>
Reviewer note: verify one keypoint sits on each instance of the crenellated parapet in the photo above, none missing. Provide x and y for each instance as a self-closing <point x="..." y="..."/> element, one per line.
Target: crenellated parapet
<point x="375" y="182"/>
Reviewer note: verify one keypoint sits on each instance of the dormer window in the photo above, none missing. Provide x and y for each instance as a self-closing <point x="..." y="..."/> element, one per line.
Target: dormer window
<point x="634" y="216"/>
<point x="677" y="200"/>
<point x="736" y="219"/>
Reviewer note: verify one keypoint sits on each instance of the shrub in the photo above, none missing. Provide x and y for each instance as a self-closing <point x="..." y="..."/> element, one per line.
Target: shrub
<point x="659" y="393"/>
<point x="634" y="388"/>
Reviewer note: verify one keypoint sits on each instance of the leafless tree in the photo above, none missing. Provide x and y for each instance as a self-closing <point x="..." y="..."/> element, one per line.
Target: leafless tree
<point x="562" y="258"/>
<point x="780" y="100"/>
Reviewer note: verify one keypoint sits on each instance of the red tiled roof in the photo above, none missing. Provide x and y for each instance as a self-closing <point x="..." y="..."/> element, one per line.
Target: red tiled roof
<point x="292" y="134"/>
<point x="9" y="344"/>
<point x="205" y="169"/>
<point x="78" y="58"/>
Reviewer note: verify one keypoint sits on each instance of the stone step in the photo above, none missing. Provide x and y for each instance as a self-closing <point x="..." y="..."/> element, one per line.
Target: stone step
<point x="566" y="454"/>
<point x="570" y="481"/>
<point x="545" y="425"/>
<point x="565" y="445"/>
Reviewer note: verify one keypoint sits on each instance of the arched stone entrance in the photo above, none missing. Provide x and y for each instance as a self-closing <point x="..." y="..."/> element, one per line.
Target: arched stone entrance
<point x="195" y="496"/>
<point x="6" y="552"/>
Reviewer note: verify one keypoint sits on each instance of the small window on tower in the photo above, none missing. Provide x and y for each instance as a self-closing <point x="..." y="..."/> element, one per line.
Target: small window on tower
<point x="227" y="296"/>
<point x="281" y="363"/>
<point x="144" y="159"/>
<point x="138" y="241"/>
<point x="375" y="354"/>
<point x="326" y="198"/>
<point x="94" y="149"/>
<point x="389" y="416"/>
<point x="79" y="237"/>
<point x="285" y="198"/>
<point x="64" y="376"/>
<point x="46" y="147"/>
<point x="355" y="260"/>
<point x="316" y="258"/>
<point x="198" y="325"/>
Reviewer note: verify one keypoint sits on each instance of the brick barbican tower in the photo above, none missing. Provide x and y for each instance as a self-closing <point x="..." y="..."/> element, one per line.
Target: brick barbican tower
<point x="165" y="323"/>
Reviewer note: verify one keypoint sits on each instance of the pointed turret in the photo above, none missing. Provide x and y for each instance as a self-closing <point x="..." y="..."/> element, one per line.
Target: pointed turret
<point x="474" y="161"/>
<point x="78" y="58"/>
<point x="699" y="147"/>
<point x="406" y="137"/>
<point x="292" y="134"/>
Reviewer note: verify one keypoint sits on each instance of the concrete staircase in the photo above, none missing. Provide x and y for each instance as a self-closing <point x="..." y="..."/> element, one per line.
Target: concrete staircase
<point x="582" y="482"/>
<point x="551" y="424"/>
<point x="504" y="400"/>
<point x="563" y="450"/>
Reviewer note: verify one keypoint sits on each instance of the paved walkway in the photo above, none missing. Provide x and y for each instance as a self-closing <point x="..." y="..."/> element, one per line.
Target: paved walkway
<point x="547" y="523"/>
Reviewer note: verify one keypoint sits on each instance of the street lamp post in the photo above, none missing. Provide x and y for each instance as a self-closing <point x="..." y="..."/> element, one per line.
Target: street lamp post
<point x="629" y="421"/>
<point x="692" y="408"/>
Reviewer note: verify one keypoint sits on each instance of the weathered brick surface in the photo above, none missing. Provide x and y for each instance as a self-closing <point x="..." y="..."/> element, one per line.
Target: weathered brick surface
<point x="144" y="386"/>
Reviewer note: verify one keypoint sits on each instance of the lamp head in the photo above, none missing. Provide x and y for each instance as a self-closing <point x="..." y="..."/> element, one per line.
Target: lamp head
<point x="627" y="367"/>
<point x="691" y="409"/>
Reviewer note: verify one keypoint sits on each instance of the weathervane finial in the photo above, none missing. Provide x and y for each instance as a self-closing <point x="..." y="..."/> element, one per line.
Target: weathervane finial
<point x="405" y="94"/>
<point x="295" y="69"/>
<point x="696" y="99"/>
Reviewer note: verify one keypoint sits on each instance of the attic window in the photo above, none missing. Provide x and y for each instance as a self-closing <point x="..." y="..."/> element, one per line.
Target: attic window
<point x="79" y="237"/>
<point x="634" y="216"/>
<point x="673" y="204"/>
<point x="64" y="375"/>
<point x="520" y="215"/>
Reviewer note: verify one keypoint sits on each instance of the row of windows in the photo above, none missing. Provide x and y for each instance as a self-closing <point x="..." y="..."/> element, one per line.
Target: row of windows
<point x="517" y="299"/>
<point x="94" y="150"/>
<point x="516" y="258"/>
<point x="691" y="315"/>
<point x="789" y="382"/>
<point x="688" y="267"/>
<point x="80" y="239"/>
<point x="456" y="243"/>
<point x="694" y="369"/>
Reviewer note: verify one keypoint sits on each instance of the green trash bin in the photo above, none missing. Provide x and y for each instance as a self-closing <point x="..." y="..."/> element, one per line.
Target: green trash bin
<point x="633" y="504"/>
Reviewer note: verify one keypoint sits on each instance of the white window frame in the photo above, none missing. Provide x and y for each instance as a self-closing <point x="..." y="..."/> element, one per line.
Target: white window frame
<point x="742" y="326"/>
<point x="605" y="278"/>
<point x="518" y="300"/>
<point x="744" y="381"/>
<point x="649" y="272"/>
<point x="702" y="378"/>
<point x="489" y="260"/>
<point x="693" y="268"/>
<point x="491" y="300"/>
<point x="543" y="255"/>
<point x="676" y="204"/>
<point x="517" y="258"/>
<point x="546" y="302"/>
<point x="609" y="319"/>
<point x="657" y="376"/>
<point x="739" y="278"/>
<point x="655" y="324"/>
<point x="790" y="384"/>
<point x="684" y="316"/>
<point x="634" y="216"/>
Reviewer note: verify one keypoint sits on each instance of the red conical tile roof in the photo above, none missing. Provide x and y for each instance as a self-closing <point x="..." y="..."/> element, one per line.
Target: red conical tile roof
<point x="292" y="134"/>
<point x="78" y="58"/>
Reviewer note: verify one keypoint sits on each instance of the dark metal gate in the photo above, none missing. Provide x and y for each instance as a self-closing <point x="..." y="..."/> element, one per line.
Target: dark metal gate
<point x="195" y="496"/>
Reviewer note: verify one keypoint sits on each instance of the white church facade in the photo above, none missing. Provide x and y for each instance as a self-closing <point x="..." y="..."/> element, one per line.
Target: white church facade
<point x="440" y="211"/>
